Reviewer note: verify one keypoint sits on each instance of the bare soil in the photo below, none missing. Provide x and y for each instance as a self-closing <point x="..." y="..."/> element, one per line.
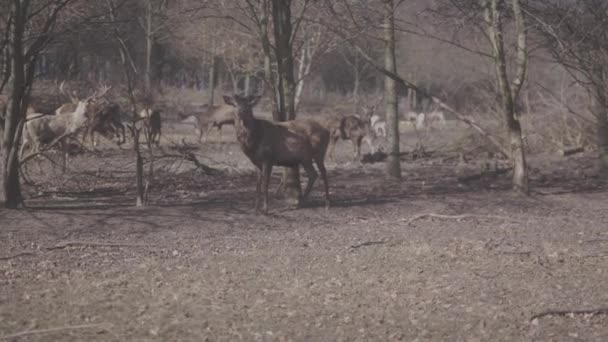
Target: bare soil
<point x="82" y="264"/>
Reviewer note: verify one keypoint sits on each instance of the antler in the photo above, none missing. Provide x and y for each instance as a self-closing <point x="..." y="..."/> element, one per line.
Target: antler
<point x="99" y="92"/>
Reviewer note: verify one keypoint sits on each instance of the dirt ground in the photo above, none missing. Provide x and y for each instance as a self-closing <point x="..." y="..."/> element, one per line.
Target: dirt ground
<point x="198" y="264"/>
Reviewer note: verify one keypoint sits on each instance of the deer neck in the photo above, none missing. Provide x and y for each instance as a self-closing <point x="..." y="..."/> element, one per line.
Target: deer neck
<point x="248" y="133"/>
<point x="79" y="115"/>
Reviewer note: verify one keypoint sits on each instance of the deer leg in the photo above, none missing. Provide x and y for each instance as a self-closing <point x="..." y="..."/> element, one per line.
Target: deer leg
<point x="266" y="171"/>
<point x="333" y="142"/>
<point x="323" y="171"/>
<point x="312" y="176"/>
<point x="65" y="156"/>
<point x="258" y="182"/>
<point x="200" y="135"/>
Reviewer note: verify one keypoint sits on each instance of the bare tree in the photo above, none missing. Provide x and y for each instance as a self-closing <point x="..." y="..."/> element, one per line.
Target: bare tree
<point x="577" y="36"/>
<point x="393" y="165"/>
<point x="31" y="29"/>
<point x="509" y="91"/>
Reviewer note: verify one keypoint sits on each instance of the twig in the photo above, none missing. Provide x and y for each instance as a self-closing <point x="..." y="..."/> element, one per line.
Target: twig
<point x="16" y="255"/>
<point x="51" y="330"/>
<point x="596" y="311"/>
<point x="455" y="217"/>
<point x="368" y="243"/>
<point x="96" y="244"/>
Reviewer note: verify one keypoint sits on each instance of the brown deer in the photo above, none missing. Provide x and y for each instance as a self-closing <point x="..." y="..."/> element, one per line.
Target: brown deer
<point x="153" y="123"/>
<point x="105" y="119"/>
<point x="349" y="127"/>
<point x="287" y="144"/>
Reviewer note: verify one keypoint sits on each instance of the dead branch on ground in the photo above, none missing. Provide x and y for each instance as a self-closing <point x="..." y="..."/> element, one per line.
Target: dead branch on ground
<point x="103" y="326"/>
<point x="96" y="244"/>
<point x="568" y="312"/>
<point x="16" y="255"/>
<point x="454" y="217"/>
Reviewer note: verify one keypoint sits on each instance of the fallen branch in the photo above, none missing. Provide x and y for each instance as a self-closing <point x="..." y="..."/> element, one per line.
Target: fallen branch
<point x="191" y="157"/>
<point x="596" y="311"/>
<point x="368" y="243"/>
<point x="16" y="255"/>
<point x="456" y="217"/>
<point x="52" y="330"/>
<point x="96" y="244"/>
<point x="573" y="150"/>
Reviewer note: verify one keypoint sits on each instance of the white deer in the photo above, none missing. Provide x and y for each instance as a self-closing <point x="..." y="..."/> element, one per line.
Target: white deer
<point x="49" y="129"/>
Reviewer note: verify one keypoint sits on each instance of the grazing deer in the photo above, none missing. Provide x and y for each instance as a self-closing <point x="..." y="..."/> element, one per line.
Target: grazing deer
<point x="47" y="129"/>
<point x="288" y="144"/>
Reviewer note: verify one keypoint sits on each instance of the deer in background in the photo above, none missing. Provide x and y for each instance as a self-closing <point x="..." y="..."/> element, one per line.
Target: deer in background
<point x="436" y="116"/>
<point x="288" y="144"/>
<point x="377" y="124"/>
<point x="153" y="123"/>
<point x="43" y="129"/>
<point x="215" y="116"/>
<point x="104" y="117"/>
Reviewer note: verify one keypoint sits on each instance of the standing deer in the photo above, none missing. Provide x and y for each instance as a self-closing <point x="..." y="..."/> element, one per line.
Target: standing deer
<point x="49" y="129"/>
<point x="215" y="116"/>
<point x="288" y="144"/>
<point x="153" y="123"/>
<point x="105" y="119"/>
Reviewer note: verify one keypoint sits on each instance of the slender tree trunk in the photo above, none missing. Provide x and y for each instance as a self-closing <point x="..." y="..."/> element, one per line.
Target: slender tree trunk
<point x="356" y="77"/>
<point x="149" y="42"/>
<point x="393" y="165"/>
<point x="281" y="15"/>
<point x="247" y="84"/>
<point x="212" y="79"/>
<point x="518" y="155"/>
<point x="15" y="112"/>
<point x="601" y="113"/>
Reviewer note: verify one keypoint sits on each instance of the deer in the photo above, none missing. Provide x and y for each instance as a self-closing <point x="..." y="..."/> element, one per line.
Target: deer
<point x="288" y="144"/>
<point x="436" y="116"/>
<point x="48" y="129"/>
<point x="378" y="125"/>
<point x="105" y="119"/>
<point x="153" y="123"/>
<point x="349" y="127"/>
<point x="215" y="116"/>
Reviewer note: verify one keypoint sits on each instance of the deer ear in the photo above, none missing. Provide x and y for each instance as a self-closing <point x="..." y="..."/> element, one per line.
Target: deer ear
<point x="229" y="100"/>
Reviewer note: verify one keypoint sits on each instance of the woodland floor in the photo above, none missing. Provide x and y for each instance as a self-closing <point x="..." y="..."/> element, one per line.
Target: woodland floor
<point x="81" y="263"/>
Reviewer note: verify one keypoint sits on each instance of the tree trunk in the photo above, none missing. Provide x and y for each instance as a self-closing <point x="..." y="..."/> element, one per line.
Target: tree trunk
<point x="15" y="113"/>
<point x="518" y="156"/>
<point x="212" y="79"/>
<point x="356" y="77"/>
<point x="281" y="15"/>
<point x="393" y="165"/>
<point x="601" y="114"/>
<point x="149" y="42"/>
<point x="247" y="84"/>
